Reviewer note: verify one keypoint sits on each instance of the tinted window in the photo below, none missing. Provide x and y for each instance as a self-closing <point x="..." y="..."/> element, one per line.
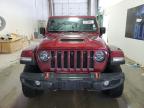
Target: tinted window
<point x="72" y="24"/>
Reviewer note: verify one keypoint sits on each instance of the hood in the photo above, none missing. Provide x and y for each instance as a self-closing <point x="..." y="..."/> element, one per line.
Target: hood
<point x="72" y="41"/>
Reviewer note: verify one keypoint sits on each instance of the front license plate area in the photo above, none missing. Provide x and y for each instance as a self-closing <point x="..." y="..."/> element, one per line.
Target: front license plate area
<point x="70" y="85"/>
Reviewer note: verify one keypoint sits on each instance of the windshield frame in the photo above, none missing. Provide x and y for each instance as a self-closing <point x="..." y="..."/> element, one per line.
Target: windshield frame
<point x="95" y="22"/>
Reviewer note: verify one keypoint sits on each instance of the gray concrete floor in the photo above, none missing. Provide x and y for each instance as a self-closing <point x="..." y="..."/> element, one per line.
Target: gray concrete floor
<point x="9" y="59"/>
<point x="11" y="95"/>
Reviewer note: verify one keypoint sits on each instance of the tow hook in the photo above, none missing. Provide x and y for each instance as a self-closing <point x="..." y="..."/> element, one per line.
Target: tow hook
<point x="46" y="75"/>
<point x="97" y="75"/>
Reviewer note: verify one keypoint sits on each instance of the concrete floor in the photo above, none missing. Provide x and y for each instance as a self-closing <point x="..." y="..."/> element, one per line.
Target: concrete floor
<point x="11" y="95"/>
<point x="9" y="59"/>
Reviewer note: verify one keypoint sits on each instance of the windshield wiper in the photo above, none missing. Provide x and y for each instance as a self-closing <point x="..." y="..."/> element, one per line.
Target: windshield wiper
<point x="54" y="31"/>
<point x="72" y="31"/>
<point x="63" y="31"/>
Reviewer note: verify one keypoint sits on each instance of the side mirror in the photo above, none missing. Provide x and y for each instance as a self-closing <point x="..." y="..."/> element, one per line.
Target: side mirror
<point x="102" y="30"/>
<point x="42" y="31"/>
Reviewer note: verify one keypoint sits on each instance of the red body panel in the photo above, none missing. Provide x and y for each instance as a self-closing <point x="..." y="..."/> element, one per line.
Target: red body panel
<point x="117" y="53"/>
<point x="53" y="42"/>
<point x="91" y="41"/>
<point x="28" y="52"/>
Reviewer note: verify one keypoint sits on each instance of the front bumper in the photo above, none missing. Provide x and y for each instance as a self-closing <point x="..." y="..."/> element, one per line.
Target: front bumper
<point x="72" y="81"/>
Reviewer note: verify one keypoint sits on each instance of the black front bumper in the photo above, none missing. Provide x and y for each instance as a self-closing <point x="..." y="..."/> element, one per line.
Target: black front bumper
<point x="72" y="81"/>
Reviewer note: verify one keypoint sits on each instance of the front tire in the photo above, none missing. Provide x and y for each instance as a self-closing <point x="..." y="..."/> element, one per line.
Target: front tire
<point x="29" y="92"/>
<point x="116" y="92"/>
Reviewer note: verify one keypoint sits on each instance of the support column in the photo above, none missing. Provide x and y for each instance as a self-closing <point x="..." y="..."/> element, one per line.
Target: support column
<point x="93" y="4"/>
<point x="51" y="7"/>
<point x="89" y="7"/>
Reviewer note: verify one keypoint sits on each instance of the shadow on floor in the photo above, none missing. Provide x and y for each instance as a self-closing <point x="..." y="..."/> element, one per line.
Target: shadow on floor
<point x="65" y="99"/>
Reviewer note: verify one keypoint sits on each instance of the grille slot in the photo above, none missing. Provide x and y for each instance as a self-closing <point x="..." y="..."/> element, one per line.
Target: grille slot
<point x="59" y="54"/>
<point x="72" y="60"/>
<point x="53" y="59"/>
<point x="65" y="59"/>
<point x="78" y="59"/>
<point x="85" y="59"/>
<point x="91" y="59"/>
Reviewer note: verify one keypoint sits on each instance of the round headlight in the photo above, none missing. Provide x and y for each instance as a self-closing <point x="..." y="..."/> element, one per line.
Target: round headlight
<point x="44" y="56"/>
<point x="100" y="56"/>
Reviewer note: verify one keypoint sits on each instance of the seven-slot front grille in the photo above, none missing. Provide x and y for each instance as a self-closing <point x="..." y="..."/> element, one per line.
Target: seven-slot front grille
<point x="72" y="59"/>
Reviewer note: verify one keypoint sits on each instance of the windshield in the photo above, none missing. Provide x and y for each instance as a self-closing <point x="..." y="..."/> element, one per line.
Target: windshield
<point x="72" y="24"/>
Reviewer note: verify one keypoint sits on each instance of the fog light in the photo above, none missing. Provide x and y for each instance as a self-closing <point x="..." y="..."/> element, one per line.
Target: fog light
<point x="49" y="84"/>
<point x="37" y="83"/>
<point x="106" y="83"/>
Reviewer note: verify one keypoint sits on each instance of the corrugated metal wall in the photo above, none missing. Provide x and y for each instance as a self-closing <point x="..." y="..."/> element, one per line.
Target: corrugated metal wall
<point x="70" y="8"/>
<point x="73" y="8"/>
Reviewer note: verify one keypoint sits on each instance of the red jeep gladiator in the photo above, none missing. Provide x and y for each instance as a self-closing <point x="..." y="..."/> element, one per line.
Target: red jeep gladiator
<point x="72" y="56"/>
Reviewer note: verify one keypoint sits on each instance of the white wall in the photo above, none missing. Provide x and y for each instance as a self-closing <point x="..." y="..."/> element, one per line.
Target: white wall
<point x="21" y="15"/>
<point x="41" y="9"/>
<point x="133" y="49"/>
<point x="108" y="3"/>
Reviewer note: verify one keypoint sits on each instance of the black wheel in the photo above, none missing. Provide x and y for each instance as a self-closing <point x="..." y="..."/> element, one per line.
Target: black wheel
<point x="28" y="92"/>
<point x="31" y="69"/>
<point x="116" y="92"/>
<point x="112" y="69"/>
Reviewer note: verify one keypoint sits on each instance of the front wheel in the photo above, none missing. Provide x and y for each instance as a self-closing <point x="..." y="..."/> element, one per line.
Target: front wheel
<point x="116" y="92"/>
<point x="30" y="93"/>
